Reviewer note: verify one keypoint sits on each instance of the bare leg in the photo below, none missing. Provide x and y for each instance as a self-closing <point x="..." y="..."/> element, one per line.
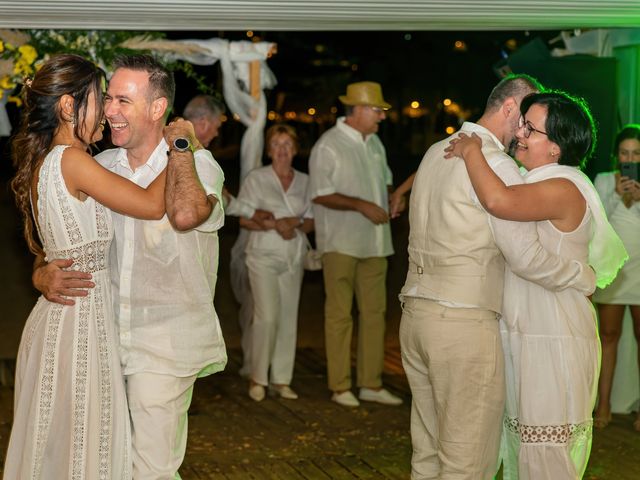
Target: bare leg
<point x="635" y="314"/>
<point x="610" y="331"/>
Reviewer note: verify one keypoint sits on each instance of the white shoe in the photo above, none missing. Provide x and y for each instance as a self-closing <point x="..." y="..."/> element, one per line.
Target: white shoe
<point x="382" y="396"/>
<point x="346" y="399"/>
<point x="256" y="392"/>
<point x="283" y="391"/>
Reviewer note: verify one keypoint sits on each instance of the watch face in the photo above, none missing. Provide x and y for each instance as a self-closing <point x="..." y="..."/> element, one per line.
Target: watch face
<point x="181" y="143"/>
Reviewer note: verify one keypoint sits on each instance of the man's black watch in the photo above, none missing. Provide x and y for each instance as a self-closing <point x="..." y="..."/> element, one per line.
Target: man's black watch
<point x="182" y="144"/>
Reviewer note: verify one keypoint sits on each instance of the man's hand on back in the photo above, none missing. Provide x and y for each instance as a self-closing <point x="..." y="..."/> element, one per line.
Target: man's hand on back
<point x="55" y="283"/>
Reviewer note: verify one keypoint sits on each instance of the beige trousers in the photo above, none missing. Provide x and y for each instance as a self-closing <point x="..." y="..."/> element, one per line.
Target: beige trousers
<point x="158" y="405"/>
<point x="345" y="276"/>
<point x="454" y="363"/>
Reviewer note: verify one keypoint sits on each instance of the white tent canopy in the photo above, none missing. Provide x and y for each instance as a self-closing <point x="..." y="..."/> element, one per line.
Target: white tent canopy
<point x="320" y="14"/>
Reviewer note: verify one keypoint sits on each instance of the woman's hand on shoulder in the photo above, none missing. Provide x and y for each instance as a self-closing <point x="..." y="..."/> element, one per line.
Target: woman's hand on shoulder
<point x="181" y="128"/>
<point x="462" y="145"/>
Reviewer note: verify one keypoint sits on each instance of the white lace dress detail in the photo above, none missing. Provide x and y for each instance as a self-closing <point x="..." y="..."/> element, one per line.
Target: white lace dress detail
<point x="71" y="417"/>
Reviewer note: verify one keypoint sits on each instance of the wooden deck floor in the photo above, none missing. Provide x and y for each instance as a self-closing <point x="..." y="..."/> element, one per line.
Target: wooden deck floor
<point x="233" y="437"/>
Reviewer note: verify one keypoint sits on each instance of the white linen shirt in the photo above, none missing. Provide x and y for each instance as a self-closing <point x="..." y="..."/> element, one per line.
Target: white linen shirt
<point x="163" y="281"/>
<point x="342" y="161"/>
<point x="262" y="189"/>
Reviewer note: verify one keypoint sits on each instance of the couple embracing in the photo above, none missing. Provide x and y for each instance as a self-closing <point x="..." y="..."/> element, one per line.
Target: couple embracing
<point x="127" y="259"/>
<point x="500" y="266"/>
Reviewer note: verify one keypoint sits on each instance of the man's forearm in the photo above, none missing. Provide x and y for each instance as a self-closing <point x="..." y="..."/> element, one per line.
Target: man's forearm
<point x="528" y="259"/>
<point x="186" y="200"/>
<point x="338" y="201"/>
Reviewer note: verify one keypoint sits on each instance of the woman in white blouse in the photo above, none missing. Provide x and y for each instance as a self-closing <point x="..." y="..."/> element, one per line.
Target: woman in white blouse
<point x="275" y="253"/>
<point x="621" y="199"/>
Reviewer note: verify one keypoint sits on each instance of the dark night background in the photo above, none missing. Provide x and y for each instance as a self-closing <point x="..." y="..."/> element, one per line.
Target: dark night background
<point x="313" y="68"/>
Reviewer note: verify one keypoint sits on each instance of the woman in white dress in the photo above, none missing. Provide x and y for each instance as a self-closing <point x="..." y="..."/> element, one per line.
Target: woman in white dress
<point x="621" y="198"/>
<point x="70" y="411"/>
<point x="275" y="253"/>
<point x="550" y="339"/>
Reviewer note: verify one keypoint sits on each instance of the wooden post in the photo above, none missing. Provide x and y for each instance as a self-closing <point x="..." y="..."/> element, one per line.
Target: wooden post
<point x="254" y="74"/>
<point x="254" y="79"/>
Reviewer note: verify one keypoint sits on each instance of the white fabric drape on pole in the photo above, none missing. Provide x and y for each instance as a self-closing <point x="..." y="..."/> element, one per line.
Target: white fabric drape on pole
<point x="234" y="58"/>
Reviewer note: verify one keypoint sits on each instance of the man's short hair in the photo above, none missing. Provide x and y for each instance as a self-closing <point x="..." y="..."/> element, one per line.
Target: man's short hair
<point x="203" y="106"/>
<point x="161" y="81"/>
<point x="517" y="86"/>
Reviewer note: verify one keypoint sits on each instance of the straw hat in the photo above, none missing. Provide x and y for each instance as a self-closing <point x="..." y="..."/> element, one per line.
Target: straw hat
<point x="364" y="93"/>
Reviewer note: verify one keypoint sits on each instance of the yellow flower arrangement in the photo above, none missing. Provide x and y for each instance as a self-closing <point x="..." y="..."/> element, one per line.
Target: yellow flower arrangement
<point x="23" y="51"/>
<point x="16" y="60"/>
<point x="6" y="84"/>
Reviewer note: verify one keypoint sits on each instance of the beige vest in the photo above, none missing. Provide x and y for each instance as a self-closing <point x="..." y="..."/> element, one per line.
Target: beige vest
<point x="452" y="253"/>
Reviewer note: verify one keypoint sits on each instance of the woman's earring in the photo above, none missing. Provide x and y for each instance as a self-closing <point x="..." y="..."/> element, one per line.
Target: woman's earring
<point x="553" y="154"/>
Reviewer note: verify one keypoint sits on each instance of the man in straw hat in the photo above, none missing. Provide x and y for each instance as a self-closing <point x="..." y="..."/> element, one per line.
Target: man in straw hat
<point x="349" y="180"/>
<point x="452" y="298"/>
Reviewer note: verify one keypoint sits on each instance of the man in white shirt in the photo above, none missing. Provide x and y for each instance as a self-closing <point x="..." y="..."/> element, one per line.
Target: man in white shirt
<point x="452" y="298"/>
<point x="163" y="272"/>
<point x="349" y="181"/>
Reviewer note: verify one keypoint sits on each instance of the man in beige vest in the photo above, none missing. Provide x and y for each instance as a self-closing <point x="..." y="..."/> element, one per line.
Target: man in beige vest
<point x="452" y="298"/>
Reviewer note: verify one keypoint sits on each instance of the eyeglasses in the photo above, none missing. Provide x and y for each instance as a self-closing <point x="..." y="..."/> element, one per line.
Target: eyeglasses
<point x="528" y="127"/>
<point x="376" y="109"/>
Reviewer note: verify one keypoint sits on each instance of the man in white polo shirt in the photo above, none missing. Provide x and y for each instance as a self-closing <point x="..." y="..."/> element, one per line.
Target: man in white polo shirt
<point x="349" y="181"/>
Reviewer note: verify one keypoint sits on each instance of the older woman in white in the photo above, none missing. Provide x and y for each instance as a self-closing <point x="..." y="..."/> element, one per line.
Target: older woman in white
<point x="275" y="253"/>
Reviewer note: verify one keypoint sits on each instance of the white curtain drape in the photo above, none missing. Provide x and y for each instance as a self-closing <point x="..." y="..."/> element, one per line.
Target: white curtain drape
<point x="234" y="58"/>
